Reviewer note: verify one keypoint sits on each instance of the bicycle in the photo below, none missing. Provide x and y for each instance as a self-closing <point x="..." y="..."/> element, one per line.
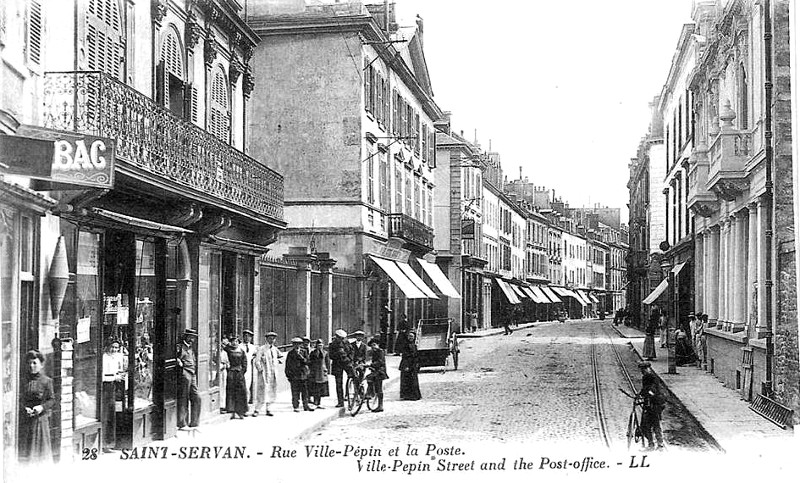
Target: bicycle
<point x="359" y="389"/>
<point x="634" y="431"/>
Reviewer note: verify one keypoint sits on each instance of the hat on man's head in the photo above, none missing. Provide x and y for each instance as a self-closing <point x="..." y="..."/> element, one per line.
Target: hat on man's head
<point x="375" y="340"/>
<point x="358" y="332"/>
<point x="190" y="331"/>
<point x="644" y="364"/>
<point x="340" y="333"/>
<point x="270" y="334"/>
<point x="319" y="341"/>
<point x="297" y="340"/>
<point x="247" y="331"/>
<point x="305" y="339"/>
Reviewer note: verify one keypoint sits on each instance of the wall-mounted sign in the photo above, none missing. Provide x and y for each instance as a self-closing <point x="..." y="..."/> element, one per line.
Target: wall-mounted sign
<point x="60" y="157"/>
<point x="468" y="229"/>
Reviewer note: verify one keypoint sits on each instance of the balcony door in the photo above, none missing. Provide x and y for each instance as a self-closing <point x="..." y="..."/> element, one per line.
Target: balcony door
<point x="172" y="89"/>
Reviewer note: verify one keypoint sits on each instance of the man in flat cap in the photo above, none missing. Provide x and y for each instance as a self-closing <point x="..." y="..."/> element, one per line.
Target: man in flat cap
<point x="250" y="353"/>
<point x="652" y="406"/>
<point x="187" y="381"/>
<point x="359" y="348"/>
<point x="266" y="364"/>
<point x="297" y="373"/>
<point x="341" y="355"/>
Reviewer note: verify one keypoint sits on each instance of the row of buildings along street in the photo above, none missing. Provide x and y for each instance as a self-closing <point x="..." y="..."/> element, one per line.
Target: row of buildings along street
<point x="713" y="200"/>
<point x="179" y="165"/>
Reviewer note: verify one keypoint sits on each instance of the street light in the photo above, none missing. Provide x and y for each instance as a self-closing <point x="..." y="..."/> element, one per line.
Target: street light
<point x="666" y="268"/>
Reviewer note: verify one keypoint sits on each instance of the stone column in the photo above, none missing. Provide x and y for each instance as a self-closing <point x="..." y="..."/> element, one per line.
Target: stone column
<point x="731" y="273"/>
<point x="740" y="270"/>
<point x="714" y="276"/>
<point x="761" y="326"/>
<point x="752" y="267"/>
<point x="700" y="270"/>
<point x="723" y="270"/>
<point x="326" y="264"/>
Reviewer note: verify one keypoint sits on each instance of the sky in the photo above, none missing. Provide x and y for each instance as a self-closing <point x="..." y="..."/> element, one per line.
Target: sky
<point x="560" y="87"/>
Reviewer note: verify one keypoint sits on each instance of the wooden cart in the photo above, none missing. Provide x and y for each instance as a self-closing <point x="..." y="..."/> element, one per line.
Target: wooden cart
<point x="436" y="342"/>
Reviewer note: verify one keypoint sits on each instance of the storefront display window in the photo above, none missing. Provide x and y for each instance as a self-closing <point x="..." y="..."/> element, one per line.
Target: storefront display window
<point x="145" y="287"/>
<point x="7" y="320"/>
<point x="213" y="265"/>
<point x="83" y="314"/>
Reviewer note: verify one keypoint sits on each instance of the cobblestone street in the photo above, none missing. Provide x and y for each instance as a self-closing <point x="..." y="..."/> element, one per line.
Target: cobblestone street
<point x="533" y="386"/>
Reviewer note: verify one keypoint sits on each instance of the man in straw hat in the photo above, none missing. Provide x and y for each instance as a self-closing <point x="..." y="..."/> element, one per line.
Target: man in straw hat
<point x="266" y="363"/>
<point x="341" y="355"/>
<point x="250" y="352"/>
<point x="187" y="381"/>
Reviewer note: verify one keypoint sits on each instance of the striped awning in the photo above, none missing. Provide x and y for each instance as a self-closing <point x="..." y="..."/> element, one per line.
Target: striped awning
<point x="511" y="296"/>
<point x="548" y="291"/>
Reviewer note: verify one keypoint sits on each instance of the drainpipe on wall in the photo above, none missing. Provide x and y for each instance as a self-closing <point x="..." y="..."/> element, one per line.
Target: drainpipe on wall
<point x="767" y="387"/>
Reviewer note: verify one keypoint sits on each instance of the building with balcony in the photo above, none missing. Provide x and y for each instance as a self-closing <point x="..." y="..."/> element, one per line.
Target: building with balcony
<point x="458" y="222"/>
<point x="347" y="114"/>
<point x="740" y="192"/>
<point x="646" y="222"/>
<point x="160" y="215"/>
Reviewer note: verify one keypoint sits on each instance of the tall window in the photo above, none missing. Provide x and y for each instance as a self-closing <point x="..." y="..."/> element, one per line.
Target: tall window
<point x="104" y="37"/>
<point x="371" y="178"/>
<point x="409" y="193"/>
<point x="383" y="180"/>
<point x="743" y="98"/>
<point x="219" y="111"/>
<point x="170" y="82"/>
<point x="398" y="189"/>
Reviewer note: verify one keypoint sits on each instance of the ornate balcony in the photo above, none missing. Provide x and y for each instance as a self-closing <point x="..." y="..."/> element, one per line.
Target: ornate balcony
<point x="699" y="199"/>
<point x="411" y="230"/>
<point x="728" y="154"/>
<point x="152" y="141"/>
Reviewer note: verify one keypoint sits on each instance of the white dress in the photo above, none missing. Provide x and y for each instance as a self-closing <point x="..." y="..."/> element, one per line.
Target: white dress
<point x="266" y="366"/>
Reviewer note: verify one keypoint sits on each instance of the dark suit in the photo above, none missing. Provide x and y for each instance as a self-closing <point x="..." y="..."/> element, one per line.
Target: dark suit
<point x="651" y="409"/>
<point x="359" y="353"/>
<point x="378" y="366"/>
<point x="341" y="354"/>
<point x="297" y="373"/>
<point x="187" y="387"/>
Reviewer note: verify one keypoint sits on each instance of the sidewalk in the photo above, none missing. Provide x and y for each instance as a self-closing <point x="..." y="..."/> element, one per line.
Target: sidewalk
<point x="719" y="410"/>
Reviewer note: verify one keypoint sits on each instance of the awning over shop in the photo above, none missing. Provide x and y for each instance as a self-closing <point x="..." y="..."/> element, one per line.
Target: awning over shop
<point x="550" y="294"/>
<point x="661" y="287"/>
<point x="439" y="279"/>
<point x="593" y="298"/>
<point x="540" y="295"/>
<point x="412" y="275"/>
<point x="582" y="294"/>
<point x="137" y="222"/>
<point x="518" y="291"/>
<point x="569" y="293"/>
<point x="507" y="291"/>
<point x="399" y="278"/>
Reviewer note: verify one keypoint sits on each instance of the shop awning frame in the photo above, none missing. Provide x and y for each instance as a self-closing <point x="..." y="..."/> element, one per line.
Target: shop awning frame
<point x="439" y="279"/>
<point x="593" y="298"/>
<point x="569" y="293"/>
<point x="397" y="276"/>
<point x="417" y="280"/>
<point x="550" y="294"/>
<point x="661" y="287"/>
<point x="507" y="291"/>
<point x="540" y="297"/>
<point x="582" y="294"/>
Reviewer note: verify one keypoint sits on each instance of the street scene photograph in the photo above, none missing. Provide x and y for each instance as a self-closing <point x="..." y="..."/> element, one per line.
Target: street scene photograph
<point x="447" y="240"/>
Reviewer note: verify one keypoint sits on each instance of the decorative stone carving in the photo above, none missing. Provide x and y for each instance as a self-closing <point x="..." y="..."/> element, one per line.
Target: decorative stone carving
<point x="726" y="116"/>
<point x="729" y="190"/>
<point x="248" y="82"/>
<point x="235" y="69"/>
<point x="210" y="48"/>
<point x="704" y="209"/>
<point x="247" y="53"/>
<point x="158" y="10"/>
<point x="193" y="31"/>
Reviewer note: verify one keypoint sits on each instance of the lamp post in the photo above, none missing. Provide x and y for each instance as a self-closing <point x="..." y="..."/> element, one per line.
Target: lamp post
<point x="672" y="313"/>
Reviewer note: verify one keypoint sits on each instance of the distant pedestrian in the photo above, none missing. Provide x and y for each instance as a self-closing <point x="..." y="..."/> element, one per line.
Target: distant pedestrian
<point x="403" y="328"/>
<point x="700" y="338"/>
<point x="663" y="323"/>
<point x="224" y="363"/>
<point x="617" y="316"/>
<point x="652" y="407"/>
<point x="506" y="325"/>
<point x="409" y="370"/>
<point x="236" y="394"/>
<point x="36" y="400"/>
<point x="249" y="349"/>
<point x="473" y="321"/>
<point x="319" y="365"/>
<point x="187" y="382"/>
<point x="341" y="355"/>
<point x="649" y="349"/>
<point x="266" y="367"/>
<point x="378" y="373"/>
<point x="297" y="373"/>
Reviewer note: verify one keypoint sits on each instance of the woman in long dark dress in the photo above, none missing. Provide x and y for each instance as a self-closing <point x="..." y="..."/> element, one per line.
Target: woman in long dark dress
<point x="37" y="400"/>
<point x="649" y="351"/>
<point x="236" y="390"/>
<point x="409" y="368"/>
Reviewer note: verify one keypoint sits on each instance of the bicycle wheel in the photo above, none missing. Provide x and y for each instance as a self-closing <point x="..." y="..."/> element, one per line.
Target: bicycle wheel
<point x="350" y="394"/>
<point x="371" y="397"/>
<point x="629" y="435"/>
<point x="358" y="400"/>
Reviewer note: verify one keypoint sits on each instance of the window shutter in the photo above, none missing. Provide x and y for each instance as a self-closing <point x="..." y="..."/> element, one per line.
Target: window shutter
<point x="161" y="98"/>
<point x="424" y="144"/>
<point x="34" y="37"/>
<point x="106" y="52"/>
<point x="395" y="102"/>
<point x="194" y="107"/>
<point x="187" y="101"/>
<point x="416" y="132"/>
<point x="379" y="97"/>
<point x="432" y="148"/>
<point x="366" y="84"/>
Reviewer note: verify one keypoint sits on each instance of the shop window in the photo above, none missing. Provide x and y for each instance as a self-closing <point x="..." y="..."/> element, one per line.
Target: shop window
<point x="82" y="311"/>
<point x="211" y="263"/>
<point x="145" y="289"/>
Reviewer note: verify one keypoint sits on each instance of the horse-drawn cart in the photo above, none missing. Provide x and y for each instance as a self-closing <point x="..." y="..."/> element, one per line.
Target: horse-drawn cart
<point x="436" y="342"/>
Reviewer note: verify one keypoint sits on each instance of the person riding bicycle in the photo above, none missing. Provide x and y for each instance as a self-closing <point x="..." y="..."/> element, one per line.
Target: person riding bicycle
<point x="340" y="353"/>
<point x="378" y="371"/>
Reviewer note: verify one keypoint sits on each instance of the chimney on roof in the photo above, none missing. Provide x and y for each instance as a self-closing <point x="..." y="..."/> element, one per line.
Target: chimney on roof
<point x="419" y="30"/>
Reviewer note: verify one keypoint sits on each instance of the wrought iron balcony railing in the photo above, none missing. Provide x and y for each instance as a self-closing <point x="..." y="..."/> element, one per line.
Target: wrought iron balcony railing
<point x="151" y="138"/>
<point x="411" y="230"/>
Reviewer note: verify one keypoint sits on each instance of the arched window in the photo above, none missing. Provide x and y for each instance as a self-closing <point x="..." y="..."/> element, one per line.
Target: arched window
<point x="744" y="101"/>
<point x="105" y="47"/>
<point x="172" y="91"/>
<point x="219" y="117"/>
